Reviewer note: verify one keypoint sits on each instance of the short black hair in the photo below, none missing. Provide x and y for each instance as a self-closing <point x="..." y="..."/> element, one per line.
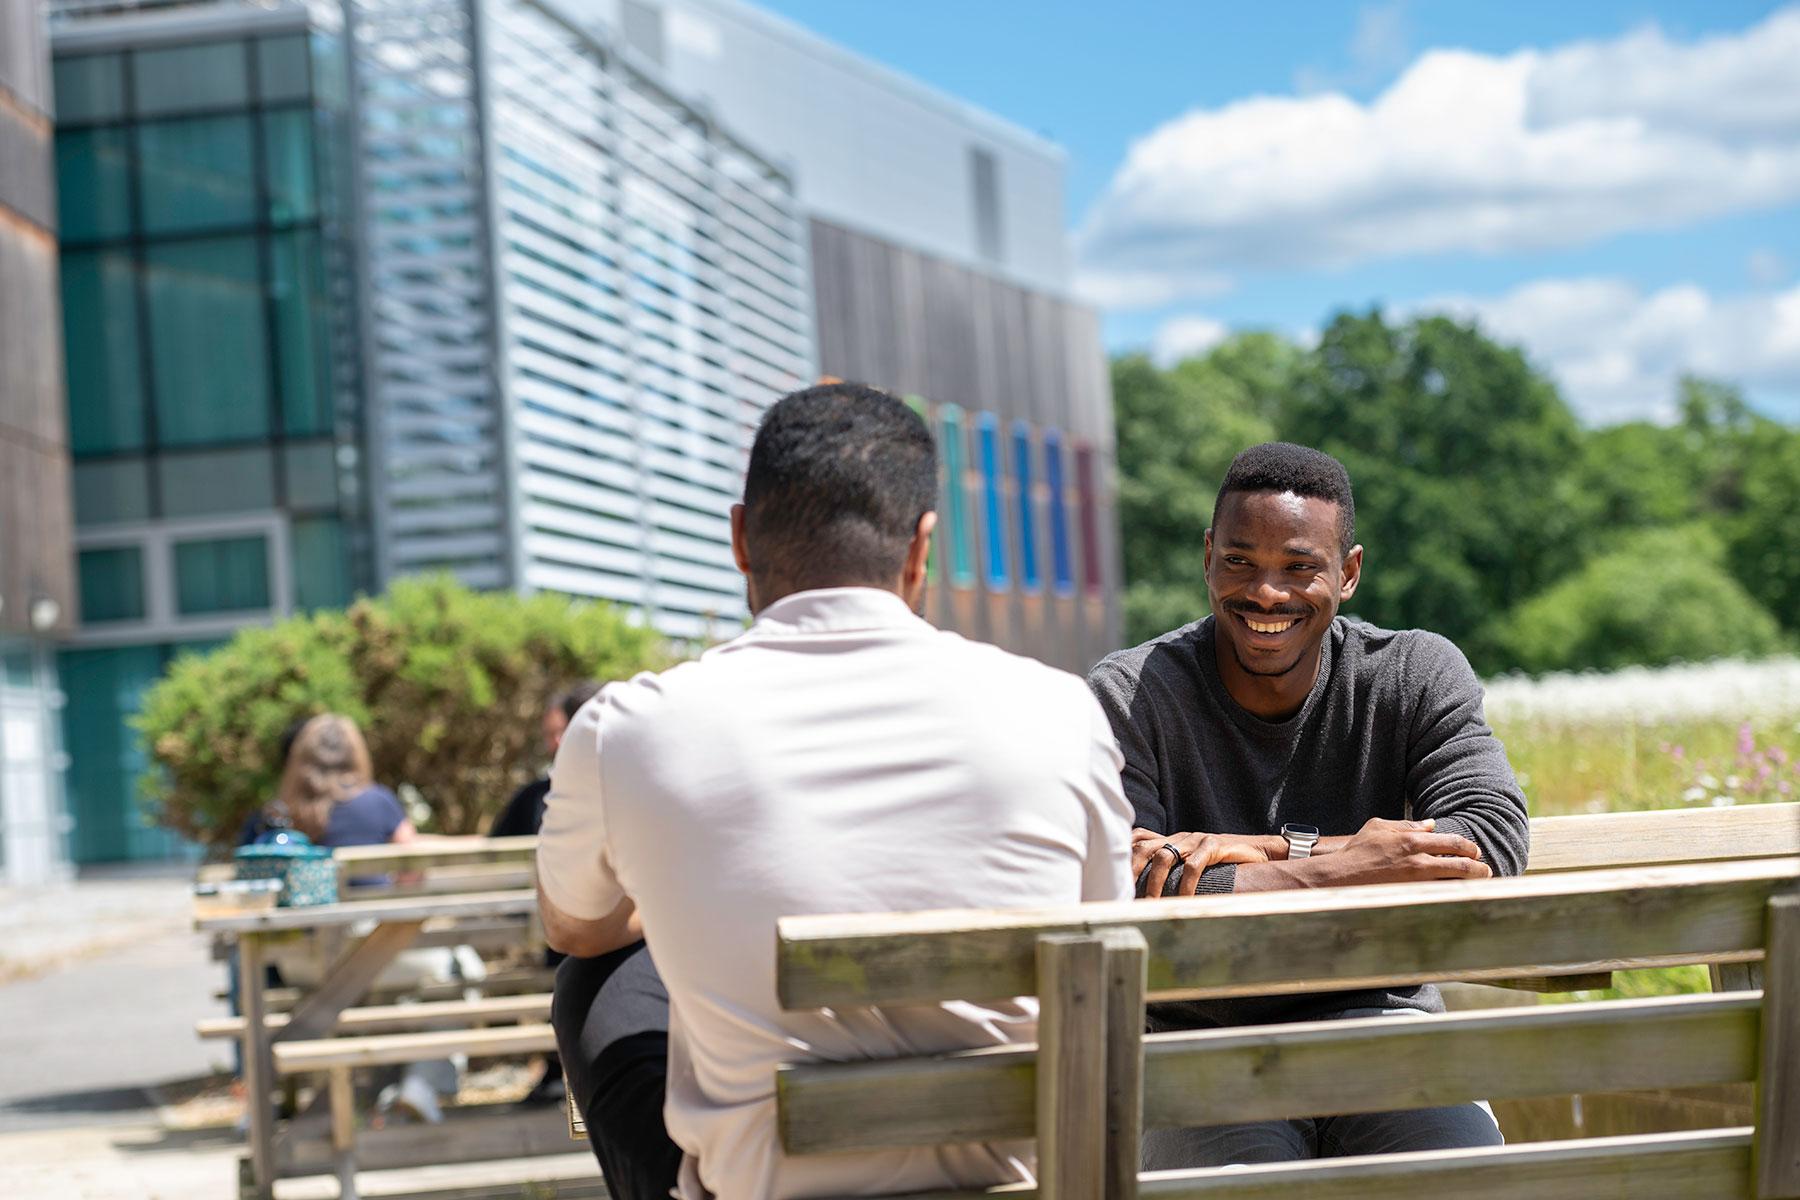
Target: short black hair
<point x="1285" y="467"/>
<point x="839" y="476"/>
<point x="570" y="699"/>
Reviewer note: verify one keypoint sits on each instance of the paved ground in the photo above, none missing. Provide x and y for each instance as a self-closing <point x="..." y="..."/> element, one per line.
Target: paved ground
<point x="100" y="985"/>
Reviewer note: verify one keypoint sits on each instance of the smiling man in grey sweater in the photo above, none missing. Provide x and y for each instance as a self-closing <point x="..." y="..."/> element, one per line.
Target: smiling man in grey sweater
<point x="1325" y="751"/>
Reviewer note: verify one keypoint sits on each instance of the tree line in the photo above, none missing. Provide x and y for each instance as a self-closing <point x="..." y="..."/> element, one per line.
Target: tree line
<point x="1489" y="513"/>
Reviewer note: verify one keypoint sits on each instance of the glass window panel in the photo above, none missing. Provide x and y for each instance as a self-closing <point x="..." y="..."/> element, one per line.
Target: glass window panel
<point x="209" y="353"/>
<point x="956" y="492"/>
<point x="104" y="689"/>
<point x="993" y="511"/>
<point x="1061" y="561"/>
<point x="185" y="78"/>
<point x="281" y="68"/>
<point x="100" y="341"/>
<point x="310" y="470"/>
<point x="222" y="575"/>
<point x="321" y="563"/>
<point x="210" y="482"/>
<point x="1028" y="559"/>
<point x="196" y="174"/>
<point x="108" y="491"/>
<point x="112" y="584"/>
<point x="89" y="87"/>
<point x="1090" y="517"/>
<point x="288" y="151"/>
<point x="302" y="332"/>
<point x="93" y="184"/>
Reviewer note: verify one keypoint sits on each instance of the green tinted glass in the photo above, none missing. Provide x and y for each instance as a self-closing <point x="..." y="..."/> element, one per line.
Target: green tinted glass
<point x="221" y="575"/>
<point x="321" y="563"/>
<point x="186" y="78"/>
<point x="89" y="87"/>
<point x="100" y="341"/>
<point x="302" y="332"/>
<point x="197" y="173"/>
<point x="208" y="348"/>
<point x="288" y="152"/>
<point x="112" y="584"/>
<point x="282" y="69"/>
<point x="93" y="184"/>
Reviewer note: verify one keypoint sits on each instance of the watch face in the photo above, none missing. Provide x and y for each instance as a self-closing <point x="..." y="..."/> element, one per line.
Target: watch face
<point x="1293" y="830"/>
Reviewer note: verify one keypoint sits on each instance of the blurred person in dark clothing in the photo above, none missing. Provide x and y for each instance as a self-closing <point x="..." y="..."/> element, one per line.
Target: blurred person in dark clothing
<point x="521" y="817"/>
<point x="525" y="811"/>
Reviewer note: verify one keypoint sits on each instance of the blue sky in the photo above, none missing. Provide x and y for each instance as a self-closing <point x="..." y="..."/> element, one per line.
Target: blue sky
<point x="1652" y="225"/>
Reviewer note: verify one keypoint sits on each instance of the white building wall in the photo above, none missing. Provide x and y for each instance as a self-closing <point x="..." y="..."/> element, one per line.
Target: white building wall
<point x="870" y="149"/>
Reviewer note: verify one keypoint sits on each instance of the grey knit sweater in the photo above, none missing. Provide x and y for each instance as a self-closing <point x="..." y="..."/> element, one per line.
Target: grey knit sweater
<point x="1393" y="728"/>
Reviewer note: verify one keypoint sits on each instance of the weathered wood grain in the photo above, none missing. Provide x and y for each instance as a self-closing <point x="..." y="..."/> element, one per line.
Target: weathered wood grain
<point x="1605" y="840"/>
<point x="1711" y="1164"/>
<point x="393" y="1018"/>
<point x="1304" y="1069"/>
<point x="434" y="852"/>
<point x="1301" y="941"/>
<point x="1070" y="1117"/>
<point x="348" y="981"/>
<point x="1778" y="1088"/>
<point x="294" y="1057"/>
<point x="1127" y="962"/>
<point x="349" y="912"/>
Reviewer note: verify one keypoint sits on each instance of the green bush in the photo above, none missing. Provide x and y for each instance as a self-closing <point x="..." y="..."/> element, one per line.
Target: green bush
<point x="447" y="684"/>
<point x="1660" y="596"/>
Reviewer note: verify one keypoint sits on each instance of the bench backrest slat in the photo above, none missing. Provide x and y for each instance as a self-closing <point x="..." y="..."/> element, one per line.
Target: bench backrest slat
<point x="1299" y="941"/>
<point x="1264" y="1073"/>
<point x="1682" y="835"/>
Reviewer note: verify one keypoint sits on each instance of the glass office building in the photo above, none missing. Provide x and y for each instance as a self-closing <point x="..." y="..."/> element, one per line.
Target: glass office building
<point x="213" y="414"/>
<point x="369" y="288"/>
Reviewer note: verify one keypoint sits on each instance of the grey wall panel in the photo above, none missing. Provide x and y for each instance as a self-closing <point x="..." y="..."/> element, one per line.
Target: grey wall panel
<point x="24" y="70"/>
<point x="916" y="324"/>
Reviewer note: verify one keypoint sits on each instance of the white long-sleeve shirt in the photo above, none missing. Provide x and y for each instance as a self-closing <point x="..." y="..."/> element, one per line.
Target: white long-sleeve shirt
<point x="842" y="755"/>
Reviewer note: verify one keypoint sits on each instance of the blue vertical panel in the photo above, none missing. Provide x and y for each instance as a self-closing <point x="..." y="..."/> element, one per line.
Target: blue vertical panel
<point x="962" y="553"/>
<point x="993" y="511"/>
<point x="1062" y="563"/>
<point x="1028" y="562"/>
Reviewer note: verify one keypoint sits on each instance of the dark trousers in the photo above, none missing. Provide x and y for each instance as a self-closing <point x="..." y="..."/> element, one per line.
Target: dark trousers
<point x="1457" y="1126"/>
<point x="611" y="1016"/>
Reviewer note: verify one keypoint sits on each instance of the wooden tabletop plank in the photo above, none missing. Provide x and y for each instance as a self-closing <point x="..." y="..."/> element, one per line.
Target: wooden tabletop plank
<point x="349" y="912"/>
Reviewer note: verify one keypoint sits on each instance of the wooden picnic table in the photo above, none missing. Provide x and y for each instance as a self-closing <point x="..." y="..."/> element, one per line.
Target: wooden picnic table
<point x="395" y="925"/>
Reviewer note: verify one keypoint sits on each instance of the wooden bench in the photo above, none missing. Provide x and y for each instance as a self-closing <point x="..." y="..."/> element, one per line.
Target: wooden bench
<point x="1094" y="1080"/>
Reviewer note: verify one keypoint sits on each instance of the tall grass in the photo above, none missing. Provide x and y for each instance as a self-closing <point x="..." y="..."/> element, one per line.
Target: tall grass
<point x="1714" y="734"/>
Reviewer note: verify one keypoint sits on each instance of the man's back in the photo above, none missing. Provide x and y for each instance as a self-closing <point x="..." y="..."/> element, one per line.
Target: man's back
<point x="842" y="756"/>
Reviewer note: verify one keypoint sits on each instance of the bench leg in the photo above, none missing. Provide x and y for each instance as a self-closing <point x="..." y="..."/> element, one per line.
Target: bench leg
<point x="1778" y="1083"/>
<point x="1127" y="965"/>
<point x="259" y="1068"/>
<point x="343" y="1131"/>
<point x="1071" y="1067"/>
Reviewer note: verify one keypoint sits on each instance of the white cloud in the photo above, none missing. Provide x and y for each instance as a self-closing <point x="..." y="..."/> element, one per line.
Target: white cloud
<point x="1464" y="152"/>
<point x="1617" y="351"/>
<point x="1186" y="337"/>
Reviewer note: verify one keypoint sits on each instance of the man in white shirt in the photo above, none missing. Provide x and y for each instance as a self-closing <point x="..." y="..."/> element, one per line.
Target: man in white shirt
<point x="842" y="755"/>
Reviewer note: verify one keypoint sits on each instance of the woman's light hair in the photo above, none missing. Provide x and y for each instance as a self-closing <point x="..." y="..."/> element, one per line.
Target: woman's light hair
<point x="328" y="764"/>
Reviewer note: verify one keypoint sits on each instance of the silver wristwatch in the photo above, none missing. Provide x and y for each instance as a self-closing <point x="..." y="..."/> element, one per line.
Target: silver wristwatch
<point x="1300" y="839"/>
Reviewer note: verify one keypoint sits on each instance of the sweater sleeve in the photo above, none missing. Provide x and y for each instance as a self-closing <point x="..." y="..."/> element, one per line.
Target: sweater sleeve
<point x="1457" y="770"/>
<point x="1116" y="686"/>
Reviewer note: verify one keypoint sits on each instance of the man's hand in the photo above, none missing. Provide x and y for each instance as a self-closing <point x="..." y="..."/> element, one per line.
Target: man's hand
<point x="1400" y="852"/>
<point x="1197" y="850"/>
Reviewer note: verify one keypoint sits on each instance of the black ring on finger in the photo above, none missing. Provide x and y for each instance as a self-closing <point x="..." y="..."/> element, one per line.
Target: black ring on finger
<point x="1170" y="847"/>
